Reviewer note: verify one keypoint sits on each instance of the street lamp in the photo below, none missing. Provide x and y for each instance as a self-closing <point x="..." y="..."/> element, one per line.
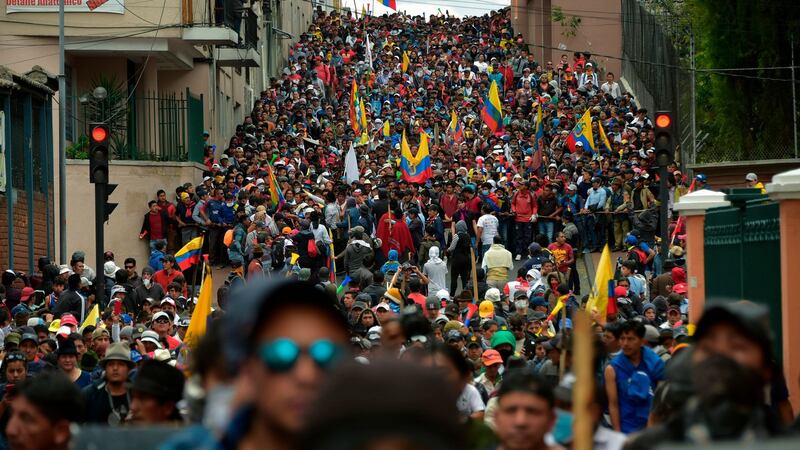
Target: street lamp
<point x="100" y="93"/>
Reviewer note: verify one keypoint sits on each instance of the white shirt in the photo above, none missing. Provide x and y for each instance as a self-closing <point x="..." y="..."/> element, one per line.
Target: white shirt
<point x="470" y="401"/>
<point x="611" y="88"/>
<point x="488" y="224"/>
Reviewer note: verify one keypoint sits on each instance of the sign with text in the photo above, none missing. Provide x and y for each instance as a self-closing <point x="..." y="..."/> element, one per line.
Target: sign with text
<point x="70" y="6"/>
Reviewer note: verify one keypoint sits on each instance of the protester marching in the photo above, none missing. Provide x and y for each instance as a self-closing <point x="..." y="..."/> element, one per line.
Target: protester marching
<point x="400" y="218"/>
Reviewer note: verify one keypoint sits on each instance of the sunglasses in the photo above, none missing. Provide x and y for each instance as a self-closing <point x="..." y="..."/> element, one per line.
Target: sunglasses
<point x="15" y="357"/>
<point x="162" y="320"/>
<point x="282" y="354"/>
<point x="129" y="267"/>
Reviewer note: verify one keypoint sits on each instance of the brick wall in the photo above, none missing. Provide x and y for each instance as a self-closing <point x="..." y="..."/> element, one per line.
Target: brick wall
<point x="22" y="241"/>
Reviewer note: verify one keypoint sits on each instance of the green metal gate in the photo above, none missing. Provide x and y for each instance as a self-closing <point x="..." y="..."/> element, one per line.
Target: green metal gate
<point x="194" y="126"/>
<point x="165" y="127"/>
<point x="743" y="254"/>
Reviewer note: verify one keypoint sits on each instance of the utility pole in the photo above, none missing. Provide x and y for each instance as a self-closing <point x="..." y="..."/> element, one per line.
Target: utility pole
<point x="62" y="139"/>
<point x="694" y="101"/>
<point x="794" y="97"/>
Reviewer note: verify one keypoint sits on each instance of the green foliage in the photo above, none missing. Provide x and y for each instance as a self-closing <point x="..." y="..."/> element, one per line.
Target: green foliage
<point x="743" y="110"/>
<point x="79" y="149"/>
<point x="112" y="110"/>
<point x="569" y="23"/>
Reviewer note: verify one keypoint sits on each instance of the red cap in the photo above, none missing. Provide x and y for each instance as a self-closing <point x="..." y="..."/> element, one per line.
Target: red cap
<point x="26" y="293"/>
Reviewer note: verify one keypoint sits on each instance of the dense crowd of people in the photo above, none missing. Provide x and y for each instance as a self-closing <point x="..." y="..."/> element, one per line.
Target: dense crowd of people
<point x="370" y="311"/>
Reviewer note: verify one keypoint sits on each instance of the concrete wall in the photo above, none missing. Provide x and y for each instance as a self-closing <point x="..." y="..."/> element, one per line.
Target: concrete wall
<point x="599" y="33"/>
<point x="138" y="182"/>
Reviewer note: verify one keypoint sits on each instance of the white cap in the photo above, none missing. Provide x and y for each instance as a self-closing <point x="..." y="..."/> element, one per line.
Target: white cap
<point x="751" y="177"/>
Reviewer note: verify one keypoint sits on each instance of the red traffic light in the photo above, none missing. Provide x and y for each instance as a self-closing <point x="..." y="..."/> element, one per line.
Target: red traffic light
<point x="663" y="121"/>
<point x="99" y="134"/>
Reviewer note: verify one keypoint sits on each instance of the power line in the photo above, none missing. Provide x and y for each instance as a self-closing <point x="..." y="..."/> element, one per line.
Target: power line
<point x="144" y="66"/>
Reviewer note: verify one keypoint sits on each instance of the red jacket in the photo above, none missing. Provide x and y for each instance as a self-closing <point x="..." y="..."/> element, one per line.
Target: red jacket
<point x="524" y="205"/>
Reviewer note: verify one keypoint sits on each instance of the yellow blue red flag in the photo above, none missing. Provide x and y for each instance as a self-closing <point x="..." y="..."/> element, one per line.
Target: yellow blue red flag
<point x="582" y="133"/>
<point x="415" y="168"/>
<point x="189" y="254"/>
<point x="492" y="112"/>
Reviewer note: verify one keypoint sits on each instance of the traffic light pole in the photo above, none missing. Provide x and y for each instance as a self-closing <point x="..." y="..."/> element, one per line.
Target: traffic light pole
<point x="99" y="240"/>
<point x="663" y="198"/>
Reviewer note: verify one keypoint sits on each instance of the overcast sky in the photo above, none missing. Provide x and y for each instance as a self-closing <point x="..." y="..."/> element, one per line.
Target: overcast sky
<point x="416" y="7"/>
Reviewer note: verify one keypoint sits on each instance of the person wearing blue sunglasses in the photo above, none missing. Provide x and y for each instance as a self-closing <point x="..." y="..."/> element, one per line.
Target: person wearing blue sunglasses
<point x="282" y="338"/>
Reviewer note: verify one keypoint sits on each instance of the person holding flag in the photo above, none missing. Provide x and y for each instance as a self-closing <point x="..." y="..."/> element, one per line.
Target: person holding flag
<point x="582" y="133"/>
<point x="415" y="168"/>
<point x="492" y="112"/>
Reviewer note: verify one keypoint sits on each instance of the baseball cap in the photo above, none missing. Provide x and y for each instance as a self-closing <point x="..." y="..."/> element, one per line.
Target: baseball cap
<point x="433" y="302"/>
<point x="161" y="314"/>
<point x="486" y="309"/>
<point x="491" y="357"/>
<point x="651" y="334"/>
<point x="29" y="337"/>
<point x="152" y="337"/>
<point x="473" y="341"/>
<point x="69" y="319"/>
<point x="383" y="305"/>
<point x="751" y="177"/>
<point x="451" y="310"/>
<point x="169" y="301"/>
<point x="454" y="335"/>
<point x="26" y="293"/>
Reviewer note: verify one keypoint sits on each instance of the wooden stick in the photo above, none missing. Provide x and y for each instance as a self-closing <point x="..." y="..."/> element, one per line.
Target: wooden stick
<point x="583" y="389"/>
<point x="474" y="276"/>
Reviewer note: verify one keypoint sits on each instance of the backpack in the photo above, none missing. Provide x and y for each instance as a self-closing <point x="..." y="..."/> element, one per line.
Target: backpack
<point x="228" y="238"/>
<point x="278" y="256"/>
<point x="639" y="257"/>
<point x="311" y="248"/>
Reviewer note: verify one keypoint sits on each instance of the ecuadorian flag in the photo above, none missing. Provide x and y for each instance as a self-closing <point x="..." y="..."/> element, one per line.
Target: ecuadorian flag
<point x="492" y="112"/>
<point x="455" y="130"/>
<point x="190" y="253"/>
<point x="415" y="169"/>
<point x="390" y="4"/>
<point x="582" y="133"/>
<point x="603" y="138"/>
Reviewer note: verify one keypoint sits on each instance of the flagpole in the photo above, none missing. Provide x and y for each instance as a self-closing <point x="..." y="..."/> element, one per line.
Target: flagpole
<point x="201" y="262"/>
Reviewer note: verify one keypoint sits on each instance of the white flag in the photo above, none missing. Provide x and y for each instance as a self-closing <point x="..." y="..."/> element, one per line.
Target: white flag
<point x="351" y="165"/>
<point x="369" y="54"/>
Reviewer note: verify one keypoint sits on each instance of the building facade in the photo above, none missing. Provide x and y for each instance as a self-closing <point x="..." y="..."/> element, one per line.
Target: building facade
<point x="171" y="68"/>
<point x="26" y="168"/>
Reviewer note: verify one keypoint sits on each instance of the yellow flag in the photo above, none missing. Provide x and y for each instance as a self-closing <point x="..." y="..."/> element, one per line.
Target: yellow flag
<point x="387" y="128"/>
<point x="294" y="259"/>
<point x="406" y="62"/>
<point x="197" y="326"/>
<point x="600" y="295"/>
<point x="91" y="318"/>
<point x="363" y="10"/>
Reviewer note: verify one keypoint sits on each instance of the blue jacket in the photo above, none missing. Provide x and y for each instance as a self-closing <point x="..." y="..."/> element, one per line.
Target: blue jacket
<point x="635" y="388"/>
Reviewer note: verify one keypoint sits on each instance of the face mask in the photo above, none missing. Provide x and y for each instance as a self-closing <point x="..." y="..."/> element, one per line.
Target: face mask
<point x="521" y="304"/>
<point x="485" y="192"/>
<point x="506" y="354"/>
<point x="146" y="282"/>
<point x="505" y="307"/>
<point x="230" y="204"/>
<point x="297" y="190"/>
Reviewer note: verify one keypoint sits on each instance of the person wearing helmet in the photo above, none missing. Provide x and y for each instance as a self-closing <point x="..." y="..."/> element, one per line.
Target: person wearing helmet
<point x="701" y="182"/>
